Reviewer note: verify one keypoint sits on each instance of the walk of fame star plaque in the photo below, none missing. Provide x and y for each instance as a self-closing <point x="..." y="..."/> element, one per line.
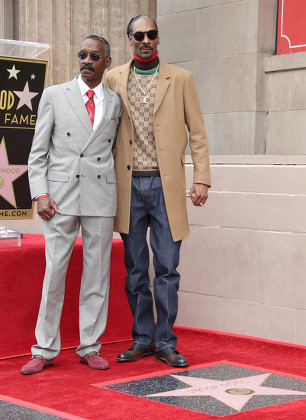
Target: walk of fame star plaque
<point x="218" y="389"/>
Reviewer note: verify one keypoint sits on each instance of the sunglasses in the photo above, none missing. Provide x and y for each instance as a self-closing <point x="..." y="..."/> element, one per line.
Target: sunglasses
<point x="94" y="56"/>
<point x="139" y="36"/>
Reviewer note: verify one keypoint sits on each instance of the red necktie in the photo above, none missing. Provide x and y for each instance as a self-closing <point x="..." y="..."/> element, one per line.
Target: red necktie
<point x="90" y="105"/>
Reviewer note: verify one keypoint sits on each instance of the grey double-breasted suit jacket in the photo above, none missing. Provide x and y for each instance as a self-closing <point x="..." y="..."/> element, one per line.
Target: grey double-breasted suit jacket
<point x="70" y="161"/>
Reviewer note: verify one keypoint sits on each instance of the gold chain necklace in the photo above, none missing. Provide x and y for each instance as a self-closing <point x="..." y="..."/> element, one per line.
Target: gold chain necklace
<point x="144" y="93"/>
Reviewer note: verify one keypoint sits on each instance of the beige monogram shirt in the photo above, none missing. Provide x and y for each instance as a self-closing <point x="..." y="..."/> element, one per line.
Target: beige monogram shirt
<point x="144" y="148"/>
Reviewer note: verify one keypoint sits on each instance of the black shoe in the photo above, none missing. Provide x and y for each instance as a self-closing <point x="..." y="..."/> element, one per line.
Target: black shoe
<point x="172" y="357"/>
<point x="136" y="352"/>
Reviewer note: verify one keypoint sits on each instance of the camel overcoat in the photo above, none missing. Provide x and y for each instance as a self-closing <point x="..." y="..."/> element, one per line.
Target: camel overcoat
<point x="176" y="106"/>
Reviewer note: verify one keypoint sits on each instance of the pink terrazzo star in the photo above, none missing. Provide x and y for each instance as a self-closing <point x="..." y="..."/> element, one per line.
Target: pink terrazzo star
<point x="235" y="392"/>
<point x="8" y="174"/>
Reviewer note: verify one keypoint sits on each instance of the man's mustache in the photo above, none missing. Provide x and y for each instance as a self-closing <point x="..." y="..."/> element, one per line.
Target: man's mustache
<point x="146" y="47"/>
<point x="87" y="67"/>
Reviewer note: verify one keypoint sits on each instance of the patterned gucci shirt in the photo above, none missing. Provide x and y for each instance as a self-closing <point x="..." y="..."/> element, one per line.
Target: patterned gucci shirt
<point x="144" y="148"/>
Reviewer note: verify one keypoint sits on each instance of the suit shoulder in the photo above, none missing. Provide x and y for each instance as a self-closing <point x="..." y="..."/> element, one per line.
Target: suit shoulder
<point x="111" y="92"/>
<point x="57" y="88"/>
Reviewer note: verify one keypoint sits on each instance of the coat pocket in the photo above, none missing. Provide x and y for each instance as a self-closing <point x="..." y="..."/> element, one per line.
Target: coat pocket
<point x="57" y="176"/>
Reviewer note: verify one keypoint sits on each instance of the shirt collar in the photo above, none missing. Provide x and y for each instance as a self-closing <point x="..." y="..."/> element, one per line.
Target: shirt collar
<point x="99" y="90"/>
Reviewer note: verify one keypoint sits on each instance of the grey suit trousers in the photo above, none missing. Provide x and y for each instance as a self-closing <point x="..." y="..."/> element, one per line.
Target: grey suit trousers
<point x="60" y="234"/>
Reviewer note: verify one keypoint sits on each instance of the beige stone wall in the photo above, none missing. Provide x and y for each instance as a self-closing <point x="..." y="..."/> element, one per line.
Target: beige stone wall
<point x="243" y="265"/>
<point x="253" y="102"/>
<point x="286" y="103"/>
<point x="223" y="43"/>
<point x="65" y="23"/>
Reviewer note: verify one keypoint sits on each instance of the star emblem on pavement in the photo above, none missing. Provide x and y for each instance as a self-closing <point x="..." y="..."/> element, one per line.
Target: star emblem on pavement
<point x="13" y="72"/>
<point x="235" y="392"/>
<point x="8" y="174"/>
<point x="25" y="97"/>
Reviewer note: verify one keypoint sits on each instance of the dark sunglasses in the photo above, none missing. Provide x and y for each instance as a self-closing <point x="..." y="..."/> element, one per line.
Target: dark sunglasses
<point x="83" y="54"/>
<point x="139" y="36"/>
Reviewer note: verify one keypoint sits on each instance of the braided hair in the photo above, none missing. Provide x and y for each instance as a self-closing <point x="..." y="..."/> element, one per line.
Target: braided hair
<point x="130" y="24"/>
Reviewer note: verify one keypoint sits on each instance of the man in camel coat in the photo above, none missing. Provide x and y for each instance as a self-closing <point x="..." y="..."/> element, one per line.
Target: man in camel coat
<point x="159" y="101"/>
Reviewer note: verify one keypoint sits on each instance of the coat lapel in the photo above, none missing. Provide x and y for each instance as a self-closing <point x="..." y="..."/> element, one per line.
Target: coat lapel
<point x="162" y="84"/>
<point x="123" y="81"/>
<point x="76" y="102"/>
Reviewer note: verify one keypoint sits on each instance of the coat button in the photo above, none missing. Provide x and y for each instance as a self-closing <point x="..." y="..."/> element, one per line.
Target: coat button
<point x="98" y="159"/>
<point x="81" y="155"/>
<point x="131" y="142"/>
<point x="77" y="176"/>
<point x="99" y="176"/>
<point x="68" y="134"/>
<point x="128" y="166"/>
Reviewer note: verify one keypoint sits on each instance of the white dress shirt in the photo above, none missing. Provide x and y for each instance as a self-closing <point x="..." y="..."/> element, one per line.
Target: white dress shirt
<point x="98" y="99"/>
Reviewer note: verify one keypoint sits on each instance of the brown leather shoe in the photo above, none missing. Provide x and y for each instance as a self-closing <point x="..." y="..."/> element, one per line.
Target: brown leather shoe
<point x="172" y="357"/>
<point x="136" y="352"/>
<point x="35" y="365"/>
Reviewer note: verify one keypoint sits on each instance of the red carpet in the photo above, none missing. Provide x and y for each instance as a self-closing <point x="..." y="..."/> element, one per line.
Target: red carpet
<point x="71" y="390"/>
<point x="67" y="388"/>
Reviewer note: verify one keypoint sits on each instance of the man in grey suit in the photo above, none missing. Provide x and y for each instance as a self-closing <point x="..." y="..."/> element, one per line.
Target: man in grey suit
<point x="72" y="178"/>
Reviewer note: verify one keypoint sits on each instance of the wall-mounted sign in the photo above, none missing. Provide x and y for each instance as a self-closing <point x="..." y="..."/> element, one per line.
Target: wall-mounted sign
<point x="22" y="82"/>
<point x="291" y="29"/>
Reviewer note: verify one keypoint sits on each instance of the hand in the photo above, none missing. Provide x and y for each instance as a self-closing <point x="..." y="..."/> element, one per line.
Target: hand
<point x="46" y="208"/>
<point x="198" y="194"/>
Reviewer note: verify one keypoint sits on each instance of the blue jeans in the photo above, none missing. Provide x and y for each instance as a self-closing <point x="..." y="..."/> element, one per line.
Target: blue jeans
<point x="148" y="207"/>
